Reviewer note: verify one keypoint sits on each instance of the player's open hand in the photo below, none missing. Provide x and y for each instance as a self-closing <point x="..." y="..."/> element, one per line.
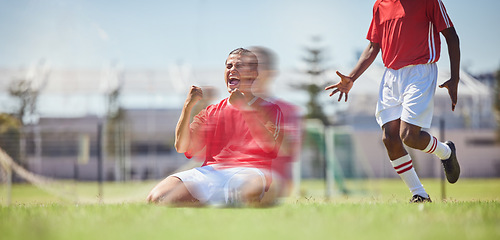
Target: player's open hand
<point x="195" y="95"/>
<point x="452" y="86"/>
<point x="344" y="86"/>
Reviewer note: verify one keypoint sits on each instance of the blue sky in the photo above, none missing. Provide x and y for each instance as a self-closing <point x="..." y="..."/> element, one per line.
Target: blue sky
<point x="156" y="34"/>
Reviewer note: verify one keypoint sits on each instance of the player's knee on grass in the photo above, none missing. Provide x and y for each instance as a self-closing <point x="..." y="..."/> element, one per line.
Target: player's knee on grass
<point x="156" y="195"/>
<point x="153" y="197"/>
<point x="159" y="194"/>
<point x="253" y="190"/>
<point x="179" y="196"/>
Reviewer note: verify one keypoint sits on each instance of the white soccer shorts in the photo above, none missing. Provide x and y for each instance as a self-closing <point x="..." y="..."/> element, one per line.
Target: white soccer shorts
<point x="408" y="94"/>
<point x="219" y="187"/>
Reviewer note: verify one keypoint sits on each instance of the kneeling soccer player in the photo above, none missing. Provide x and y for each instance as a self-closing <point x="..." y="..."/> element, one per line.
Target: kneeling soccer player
<point x="238" y="138"/>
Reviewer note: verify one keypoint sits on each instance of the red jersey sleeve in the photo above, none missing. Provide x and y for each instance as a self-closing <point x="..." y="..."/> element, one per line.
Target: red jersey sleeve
<point x="438" y="15"/>
<point x="373" y="35"/>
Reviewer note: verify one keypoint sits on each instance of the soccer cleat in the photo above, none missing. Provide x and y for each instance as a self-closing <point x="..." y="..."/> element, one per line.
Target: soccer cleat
<point x="420" y="199"/>
<point x="450" y="165"/>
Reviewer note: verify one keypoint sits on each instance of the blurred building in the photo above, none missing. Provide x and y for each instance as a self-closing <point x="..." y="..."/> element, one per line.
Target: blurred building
<point x="149" y="153"/>
<point x="73" y="104"/>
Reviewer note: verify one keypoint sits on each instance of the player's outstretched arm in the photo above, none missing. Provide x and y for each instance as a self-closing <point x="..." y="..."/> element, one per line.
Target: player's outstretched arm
<point x="453" y="43"/>
<point x="182" y="130"/>
<point x="346" y="82"/>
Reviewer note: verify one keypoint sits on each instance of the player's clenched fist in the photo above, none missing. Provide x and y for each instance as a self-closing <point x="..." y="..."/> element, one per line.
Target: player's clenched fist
<point x="237" y="98"/>
<point x="195" y="95"/>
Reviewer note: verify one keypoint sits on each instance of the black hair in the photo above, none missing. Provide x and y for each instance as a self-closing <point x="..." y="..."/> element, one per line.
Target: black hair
<point x="243" y="51"/>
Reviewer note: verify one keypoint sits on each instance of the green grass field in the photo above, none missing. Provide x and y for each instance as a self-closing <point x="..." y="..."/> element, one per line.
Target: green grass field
<point x="376" y="209"/>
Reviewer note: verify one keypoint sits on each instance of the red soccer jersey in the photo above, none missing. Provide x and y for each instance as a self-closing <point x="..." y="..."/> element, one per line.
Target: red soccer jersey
<point x="408" y="31"/>
<point x="226" y="137"/>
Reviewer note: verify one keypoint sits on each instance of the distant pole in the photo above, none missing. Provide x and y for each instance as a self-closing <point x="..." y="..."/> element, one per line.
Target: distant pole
<point x="441" y="136"/>
<point x="329" y="160"/>
<point x="99" y="160"/>
<point x="8" y="173"/>
<point x="76" y="174"/>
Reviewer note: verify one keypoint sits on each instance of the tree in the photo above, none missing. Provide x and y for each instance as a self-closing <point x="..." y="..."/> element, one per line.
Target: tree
<point x="314" y="136"/>
<point x="10" y="132"/>
<point x="314" y="61"/>
<point x="116" y="143"/>
<point x="27" y="97"/>
<point x="26" y="91"/>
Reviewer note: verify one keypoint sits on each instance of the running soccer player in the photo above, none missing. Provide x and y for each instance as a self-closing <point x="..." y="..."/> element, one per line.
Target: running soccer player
<point x="407" y="32"/>
<point x="238" y="138"/>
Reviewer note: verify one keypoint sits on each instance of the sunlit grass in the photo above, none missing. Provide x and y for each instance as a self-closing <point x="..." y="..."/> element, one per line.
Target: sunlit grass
<point x="374" y="210"/>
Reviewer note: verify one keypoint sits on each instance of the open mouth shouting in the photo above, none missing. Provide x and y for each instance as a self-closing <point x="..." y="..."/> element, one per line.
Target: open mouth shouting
<point x="233" y="82"/>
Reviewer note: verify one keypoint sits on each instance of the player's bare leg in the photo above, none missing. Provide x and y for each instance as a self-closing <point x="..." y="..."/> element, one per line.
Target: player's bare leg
<point x="275" y="191"/>
<point x="401" y="160"/>
<point x="252" y="190"/>
<point x="172" y="191"/>
<point x="413" y="136"/>
<point x="392" y="140"/>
